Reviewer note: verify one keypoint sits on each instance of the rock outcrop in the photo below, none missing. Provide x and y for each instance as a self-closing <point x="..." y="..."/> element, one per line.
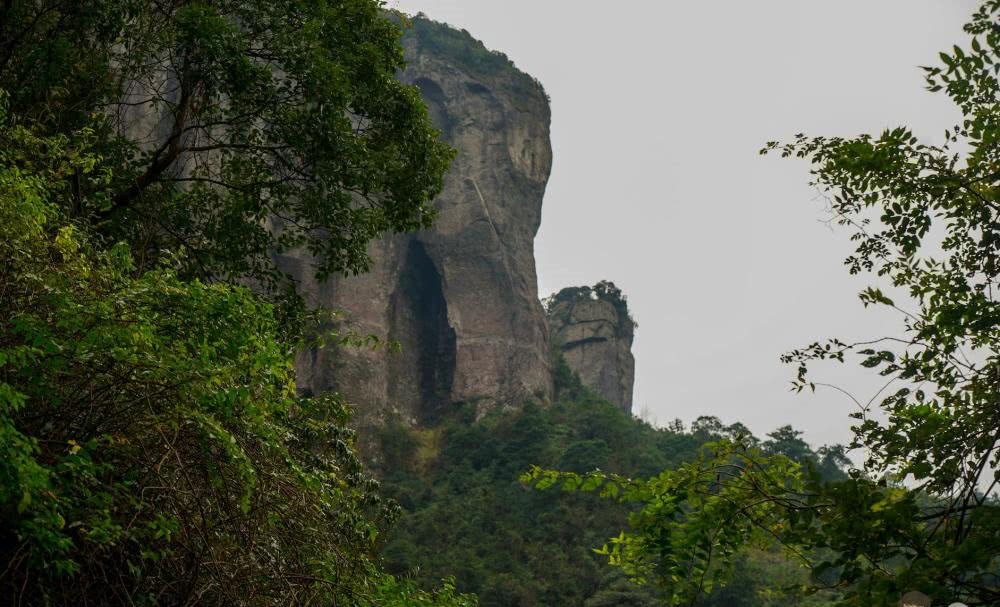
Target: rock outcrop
<point x="592" y="328"/>
<point x="461" y="298"/>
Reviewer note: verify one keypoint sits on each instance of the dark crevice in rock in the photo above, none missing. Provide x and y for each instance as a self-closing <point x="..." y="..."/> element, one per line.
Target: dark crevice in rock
<point x="435" y="101"/>
<point x="460" y="297"/>
<point x="579" y="342"/>
<point x="420" y="325"/>
<point x="477" y="88"/>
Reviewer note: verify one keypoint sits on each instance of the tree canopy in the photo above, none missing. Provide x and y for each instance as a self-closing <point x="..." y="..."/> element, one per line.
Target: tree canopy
<point x="230" y="129"/>
<point x="153" y="157"/>
<point x="465" y="514"/>
<point x="922" y="514"/>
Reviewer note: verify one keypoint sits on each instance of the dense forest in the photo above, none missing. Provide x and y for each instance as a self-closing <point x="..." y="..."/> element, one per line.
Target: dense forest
<point x="153" y="449"/>
<point x="156" y="156"/>
<point x="466" y="514"/>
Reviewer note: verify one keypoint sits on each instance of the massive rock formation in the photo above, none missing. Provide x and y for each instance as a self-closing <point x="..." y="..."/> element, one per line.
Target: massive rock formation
<point x="593" y="329"/>
<point x="461" y="298"/>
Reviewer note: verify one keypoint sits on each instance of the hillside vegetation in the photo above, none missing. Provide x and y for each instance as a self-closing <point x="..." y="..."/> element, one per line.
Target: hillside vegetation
<point x="466" y="513"/>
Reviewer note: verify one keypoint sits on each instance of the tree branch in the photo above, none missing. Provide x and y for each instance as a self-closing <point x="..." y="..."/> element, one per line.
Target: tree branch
<point x="164" y="156"/>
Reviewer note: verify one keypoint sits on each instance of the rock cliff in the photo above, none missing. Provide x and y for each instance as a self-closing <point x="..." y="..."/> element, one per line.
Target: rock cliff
<point x="592" y="328"/>
<point x="461" y="298"/>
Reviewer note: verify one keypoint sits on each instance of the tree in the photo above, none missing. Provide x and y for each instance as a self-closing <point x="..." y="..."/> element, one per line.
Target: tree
<point x="152" y="446"/>
<point x="926" y="219"/>
<point x="788" y="442"/>
<point x="233" y="129"/>
<point x="154" y="155"/>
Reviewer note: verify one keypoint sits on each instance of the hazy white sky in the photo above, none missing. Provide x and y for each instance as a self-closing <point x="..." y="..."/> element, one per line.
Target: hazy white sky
<point x="658" y="110"/>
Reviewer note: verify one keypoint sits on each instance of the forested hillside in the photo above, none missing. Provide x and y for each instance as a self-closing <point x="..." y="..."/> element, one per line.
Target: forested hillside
<point x="466" y="513"/>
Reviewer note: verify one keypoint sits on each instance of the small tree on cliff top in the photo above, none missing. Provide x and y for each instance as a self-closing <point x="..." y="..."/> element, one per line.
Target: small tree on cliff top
<point x="868" y="535"/>
<point x="604" y="290"/>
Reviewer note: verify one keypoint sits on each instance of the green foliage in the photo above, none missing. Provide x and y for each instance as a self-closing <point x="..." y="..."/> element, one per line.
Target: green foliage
<point x="695" y="521"/>
<point x="465" y="512"/>
<point x="153" y="157"/>
<point x="153" y="448"/>
<point x="766" y="578"/>
<point x="604" y="290"/>
<point x="443" y="40"/>
<point x="617" y="591"/>
<point x="395" y="592"/>
<point x="927" y="219"/>
<point x="232" y="129"/>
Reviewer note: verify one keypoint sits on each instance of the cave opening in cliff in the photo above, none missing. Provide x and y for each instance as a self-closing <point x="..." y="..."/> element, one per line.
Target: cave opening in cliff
<point x="435" y="100"/>
<point x="420" y="325"/>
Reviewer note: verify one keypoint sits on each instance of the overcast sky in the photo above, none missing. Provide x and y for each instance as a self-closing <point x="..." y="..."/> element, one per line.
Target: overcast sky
<point x="658" y="110"/>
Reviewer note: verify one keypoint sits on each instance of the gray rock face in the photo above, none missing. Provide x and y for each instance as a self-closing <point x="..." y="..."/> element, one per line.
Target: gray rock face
<point x="592" y="328"/>
<point x="461" y="298"/>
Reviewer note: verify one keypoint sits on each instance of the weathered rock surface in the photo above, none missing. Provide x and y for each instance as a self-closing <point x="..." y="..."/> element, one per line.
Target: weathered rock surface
<point x="592" y="328"/>
<point x="460" y="298"/>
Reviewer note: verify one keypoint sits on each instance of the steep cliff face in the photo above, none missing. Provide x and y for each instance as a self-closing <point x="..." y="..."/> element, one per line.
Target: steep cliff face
<point x="461" y="298"/>
<point x="593" y="330"/>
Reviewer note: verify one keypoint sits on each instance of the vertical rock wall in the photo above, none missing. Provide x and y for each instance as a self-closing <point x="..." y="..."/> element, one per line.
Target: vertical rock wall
<point x="461" y="298"/>
<point x="592" y="328"/>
